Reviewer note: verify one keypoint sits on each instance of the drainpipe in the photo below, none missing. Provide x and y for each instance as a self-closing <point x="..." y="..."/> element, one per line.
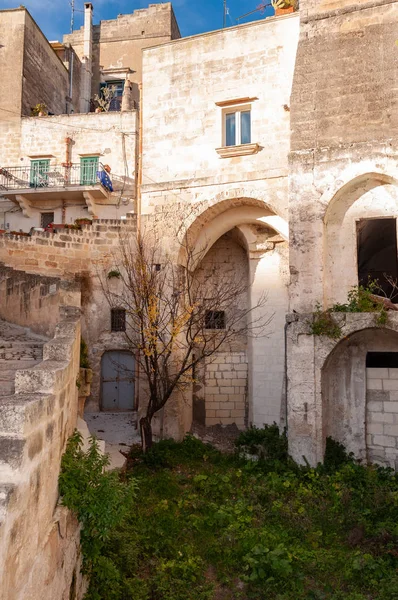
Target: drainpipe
<point x="87" y="58"/>
<point x="71" y="74"/>
<point x="138" y="212"/>
<point x="139" y="167"/>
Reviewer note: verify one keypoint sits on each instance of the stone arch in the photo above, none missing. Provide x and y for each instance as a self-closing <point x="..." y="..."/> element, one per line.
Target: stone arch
<point x="344" y="206"/>
<point x="202" y="229"/>
<point x="344" y="389"/>
<point x="253" y="222"/>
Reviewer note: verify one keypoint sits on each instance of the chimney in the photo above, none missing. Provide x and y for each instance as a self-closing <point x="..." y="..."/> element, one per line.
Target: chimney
<point x="87" y="58"/>
<point x="88" y="30"/>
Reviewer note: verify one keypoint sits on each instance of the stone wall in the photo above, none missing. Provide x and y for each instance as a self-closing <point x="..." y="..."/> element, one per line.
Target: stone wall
<point x="110" y="136"/>
<point x="118" y="43"/>
<point x="65" y="254"/>
<point x="344" y="128"/>
<point x="226" y="389"/>
<point x="12" y="23"/>
<point x="32" y="301"/>
<point x="382" y="416"/>
<point x="81" y="255"/>
<point x="183" y="123"/>
<point x="45" y="78"/>
<point x="327" y="382"/>
<point x="39" y="541"/>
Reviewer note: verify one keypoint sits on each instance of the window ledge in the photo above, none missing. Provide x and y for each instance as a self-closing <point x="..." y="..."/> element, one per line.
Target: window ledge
<point x="242" y="150"/>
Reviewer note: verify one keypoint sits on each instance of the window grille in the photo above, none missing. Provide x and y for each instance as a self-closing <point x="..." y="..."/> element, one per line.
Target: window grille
<point x="215" y="319"/>
<point x="118" y="319"/>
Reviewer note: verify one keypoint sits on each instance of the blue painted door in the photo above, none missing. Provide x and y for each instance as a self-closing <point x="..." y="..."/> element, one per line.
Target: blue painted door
<point x="117" y="380"/>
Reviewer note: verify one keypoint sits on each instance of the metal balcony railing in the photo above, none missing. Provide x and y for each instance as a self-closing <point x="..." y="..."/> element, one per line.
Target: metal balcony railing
<point x="39" y="176"/>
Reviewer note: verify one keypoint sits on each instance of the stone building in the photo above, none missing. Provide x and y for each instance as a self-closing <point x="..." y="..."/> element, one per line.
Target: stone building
<point x="272" y="145"/>
<point x="275" y="152"/>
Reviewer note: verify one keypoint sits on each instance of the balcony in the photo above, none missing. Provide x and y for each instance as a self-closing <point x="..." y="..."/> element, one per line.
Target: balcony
<point x="69" y="183"/>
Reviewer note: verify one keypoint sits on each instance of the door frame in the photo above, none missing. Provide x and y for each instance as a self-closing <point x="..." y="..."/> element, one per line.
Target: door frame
<point x="124" y="351"/>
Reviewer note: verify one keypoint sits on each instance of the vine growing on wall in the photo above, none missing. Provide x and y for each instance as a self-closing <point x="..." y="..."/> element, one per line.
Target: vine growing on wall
<point x="360" y="299"/>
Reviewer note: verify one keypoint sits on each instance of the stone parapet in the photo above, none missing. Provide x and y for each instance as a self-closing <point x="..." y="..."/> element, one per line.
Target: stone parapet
<point x="68" y="253"/>
<point x="39" y="541"/>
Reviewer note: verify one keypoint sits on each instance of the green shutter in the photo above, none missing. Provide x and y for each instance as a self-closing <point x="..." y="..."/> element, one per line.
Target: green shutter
<point x="39" y="172"/>
<point x="88" y="170"/>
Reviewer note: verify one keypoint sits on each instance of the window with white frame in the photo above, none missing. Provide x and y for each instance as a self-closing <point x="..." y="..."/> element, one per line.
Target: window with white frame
<point x="237" y="126"/>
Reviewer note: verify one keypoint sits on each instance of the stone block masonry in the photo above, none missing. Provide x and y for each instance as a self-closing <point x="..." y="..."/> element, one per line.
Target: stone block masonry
<point x="39" y="540"/>
<point x="382" y="416"/>
<point x="65" y="254"/>
<point x="226" y="389"/>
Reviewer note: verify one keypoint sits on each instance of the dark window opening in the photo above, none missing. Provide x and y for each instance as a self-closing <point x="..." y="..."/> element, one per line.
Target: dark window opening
<point x="377" y="255"/>
<point x="47" y="219"/>
<point x="118" y="319"/>
<point x="118" y="86"/>
<point x="215" y="319"/>
<point x="382" y="360"/>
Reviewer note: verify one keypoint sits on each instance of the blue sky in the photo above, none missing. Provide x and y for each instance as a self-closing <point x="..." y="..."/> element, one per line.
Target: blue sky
<point x="53" y="16"/>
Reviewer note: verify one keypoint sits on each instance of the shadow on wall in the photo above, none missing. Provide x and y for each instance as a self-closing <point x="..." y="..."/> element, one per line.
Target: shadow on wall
<point x="347" y="401"/>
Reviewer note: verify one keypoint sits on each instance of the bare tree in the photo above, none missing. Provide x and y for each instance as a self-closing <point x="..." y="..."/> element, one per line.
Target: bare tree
<point x="176" y="316"/>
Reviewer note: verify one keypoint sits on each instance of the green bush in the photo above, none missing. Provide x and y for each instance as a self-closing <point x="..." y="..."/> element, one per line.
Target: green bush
<point x="267" y="443"/>
<point x="212" y="526"/>
<point x="336" y="455"/>
<point x="99" y="500"/>
<point x="84" y="362"/>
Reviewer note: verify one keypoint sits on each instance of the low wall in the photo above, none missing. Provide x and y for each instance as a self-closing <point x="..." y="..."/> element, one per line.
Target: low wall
<point x="39" y="541"/>
<point x="33" y="301"/>
<point x="66" y="253"/>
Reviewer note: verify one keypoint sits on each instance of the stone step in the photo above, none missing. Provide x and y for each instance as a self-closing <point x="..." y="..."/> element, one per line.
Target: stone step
<point x="28" y="343"/>
<point x="21" y="354"/>
<point x="8" y="365"/>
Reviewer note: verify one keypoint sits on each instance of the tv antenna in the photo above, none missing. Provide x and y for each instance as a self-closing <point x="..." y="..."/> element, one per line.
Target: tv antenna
<point x="72" y="18"/>
<point x="261" y="8"/>
<point x="224" y="22"/>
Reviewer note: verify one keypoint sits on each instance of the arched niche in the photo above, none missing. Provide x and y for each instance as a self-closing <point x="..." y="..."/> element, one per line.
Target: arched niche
<point x="345" y="396"/>
<point x="368" y="196"/>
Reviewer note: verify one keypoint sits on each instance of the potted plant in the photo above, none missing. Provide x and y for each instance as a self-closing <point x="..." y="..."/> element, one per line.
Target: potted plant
<point x="283" y="7"/>
<point x="39" y="110"/>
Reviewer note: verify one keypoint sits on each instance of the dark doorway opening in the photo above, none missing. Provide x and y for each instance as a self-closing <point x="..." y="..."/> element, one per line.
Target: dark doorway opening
<point x="377" y="255"/>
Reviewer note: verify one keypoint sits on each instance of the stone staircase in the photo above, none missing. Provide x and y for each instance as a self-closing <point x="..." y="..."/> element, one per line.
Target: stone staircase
<point x="19" y="349"/>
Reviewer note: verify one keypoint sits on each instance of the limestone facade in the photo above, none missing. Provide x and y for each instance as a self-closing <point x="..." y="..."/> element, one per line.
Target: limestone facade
<point x="65" y="142"/>
<point x="282" y="205"/>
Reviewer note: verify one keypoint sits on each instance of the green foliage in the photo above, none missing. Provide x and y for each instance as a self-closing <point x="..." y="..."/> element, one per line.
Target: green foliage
<point x="336" y="455"/>
<point x="39" y="108"/>
<point x="168" y="453"/>
<point x="267" y="443"/>
<point x="100" y="502"/>
<point x="114" y="274"/>
<point x="360" y="299"/>
<point x="84" y="362"/>
<point x="323" y="323"/>
<point x="207" y="526"/>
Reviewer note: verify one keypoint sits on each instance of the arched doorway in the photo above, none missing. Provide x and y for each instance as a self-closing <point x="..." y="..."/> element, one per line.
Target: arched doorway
<point x="354" y="229"/>
<point x="359" y="398"/>
<point x="252" y="241"/>
<point x="117" y="381"/>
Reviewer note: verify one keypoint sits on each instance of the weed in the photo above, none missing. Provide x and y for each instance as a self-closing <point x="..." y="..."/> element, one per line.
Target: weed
<point x="84" y="362"/>
<point x="206" y="526"/>
<point x="323" y="323"/>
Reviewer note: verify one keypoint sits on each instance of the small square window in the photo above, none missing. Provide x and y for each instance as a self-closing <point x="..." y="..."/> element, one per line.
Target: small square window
<point x="118" y="319"/>
<point x="46" y="219"/>
<point x="237" y="126"/>
<point x="215" y="319"/>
